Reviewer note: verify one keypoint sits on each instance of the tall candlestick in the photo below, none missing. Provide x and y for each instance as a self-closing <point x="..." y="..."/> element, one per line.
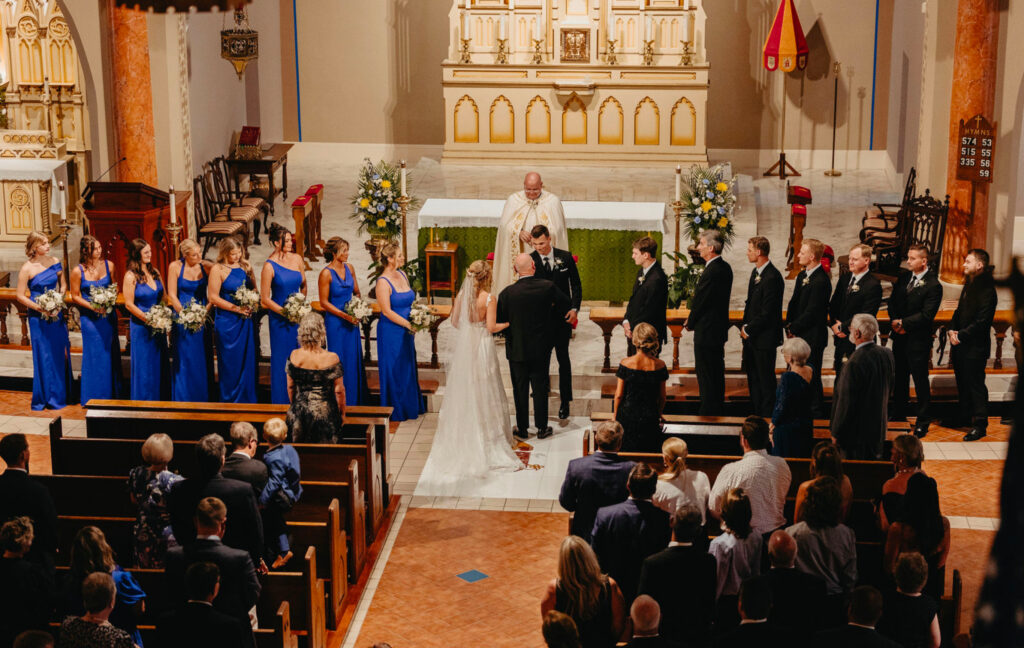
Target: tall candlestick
<point x="63" y="202"/>
<point x="503" y="28"/>
<point x="536" y="29"/>
<point x="648" y="28"/>
<point x="679" y="182"/>
<point x="465" y="25"/>
<point x="688" y="27"/>
<point x="403" y="179"/>
<point x="174" y="212"/>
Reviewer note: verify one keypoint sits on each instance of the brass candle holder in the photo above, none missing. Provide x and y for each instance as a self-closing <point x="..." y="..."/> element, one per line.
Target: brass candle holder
<point x="611" y="57"/>
<point x="677" y="209"/>
<point x="465" y="50"/>
<point x="502" y="57"/>
<point x="538" y="55"/>
<point x="66" y="226"/>
<point x="174" y="233"/>
<point x="648" y="52"/>
<point x="687" y="57"/>
<point x="403" y="206"/>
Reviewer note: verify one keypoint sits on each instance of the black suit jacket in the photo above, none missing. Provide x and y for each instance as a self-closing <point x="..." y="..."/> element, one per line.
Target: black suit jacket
<point x="591" y="482"/>
<point x="709" y="310"/>
<point x="650" y="300"/>
<point x="853" y="637"/>
<point x="686" y="610"/>
<point x="244" y="526"/>
<point x="796" y="598"/>
<point x="566" y="277"/>
<point x="757" y="635"/>
<point x="974" y="314"/>
<point x="762" y="313"/>
<point x="807" y="312"/>
<point x="247" y="469"/>
<point x="916" y="308"/>
<point x="22" y="495"/>
<point x="239" y="586"/>
<point x="861" y="400"/>
<point x="198" y="625"/>
<point x="624" y="535"/>
<point x="530" y="305"/>
<point x="866" y="297"/>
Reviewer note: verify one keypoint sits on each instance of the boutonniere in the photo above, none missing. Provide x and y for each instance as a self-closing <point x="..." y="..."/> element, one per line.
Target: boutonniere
<point x="757" y="279"/>
<point x="559" y="263"/>
<point x="806" y="281"/>
<point x="856" y="288"/>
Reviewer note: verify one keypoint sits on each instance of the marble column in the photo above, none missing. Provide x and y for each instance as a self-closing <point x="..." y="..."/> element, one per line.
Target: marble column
<point x="974" y="91"/>
<point x="133" y="96"/>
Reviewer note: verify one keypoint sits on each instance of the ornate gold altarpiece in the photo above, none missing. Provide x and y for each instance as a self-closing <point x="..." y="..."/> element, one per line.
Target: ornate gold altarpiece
<point x="576" y="81"/>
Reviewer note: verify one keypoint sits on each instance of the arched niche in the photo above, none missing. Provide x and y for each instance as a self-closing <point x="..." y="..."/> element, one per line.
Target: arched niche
<point x="609" y="122"/>
<point x="467" y="121"/>
<point x="538" y="122"/>
<point x="502" y="121"/>
<point x="574" y="121"/>
<point x="683" y="123"/>
<point x="647" y="123"/>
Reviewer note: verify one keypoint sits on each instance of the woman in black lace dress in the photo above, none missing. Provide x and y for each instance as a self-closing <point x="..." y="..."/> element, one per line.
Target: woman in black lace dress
<point x="315" y="386"/>
<point x="640" y="393"/>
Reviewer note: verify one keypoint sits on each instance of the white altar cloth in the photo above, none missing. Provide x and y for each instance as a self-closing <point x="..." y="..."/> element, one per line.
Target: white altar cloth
<point x="35" y="169"/>
<point x="579" y="214"/>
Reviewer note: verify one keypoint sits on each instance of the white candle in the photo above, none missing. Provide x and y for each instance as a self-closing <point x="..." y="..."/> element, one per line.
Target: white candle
<point x="465" y="25"/>
<point x="63" y="202"/>
<point x="503" y="28"/>
<point x="686" y="4"/>
<point x="174" y="212"/>
<point x="648" y="33"/>
<point x="688" y="28"/>
<point x="403" y="179"/>
<point x="536" y="29"/>
<point x="679" y="182"/>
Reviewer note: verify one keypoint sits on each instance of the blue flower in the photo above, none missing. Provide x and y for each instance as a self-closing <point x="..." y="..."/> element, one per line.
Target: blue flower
<point x="376" y="177"/>
<point x="380" y="208"/>
<point x="697" y="220"/>
<point x="705" y="181"/>
<point x="394" y="205"/>
<point x="710" y="194"/>
<point x="721" y="210"/>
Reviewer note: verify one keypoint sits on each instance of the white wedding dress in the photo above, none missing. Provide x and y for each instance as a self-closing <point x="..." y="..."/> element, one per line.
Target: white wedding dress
<point x="474" y="430"/>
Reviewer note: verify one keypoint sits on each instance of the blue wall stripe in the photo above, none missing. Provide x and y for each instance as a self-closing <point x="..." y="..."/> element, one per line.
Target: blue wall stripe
<point x="874" y="76"/>
<point x="298" y="91"/>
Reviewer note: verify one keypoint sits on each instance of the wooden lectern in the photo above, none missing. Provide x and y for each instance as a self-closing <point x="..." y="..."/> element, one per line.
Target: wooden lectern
<point x="121" y="211"/>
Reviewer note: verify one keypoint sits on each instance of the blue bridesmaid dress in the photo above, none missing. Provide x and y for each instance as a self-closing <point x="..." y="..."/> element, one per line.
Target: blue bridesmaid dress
<point x="192" y="369"/>
<point x="396" y="361"/>
<point x="236" y="346"/>
<point x="344" y="339"/>
<point x="150" y="371"/>
<point x="283" y="334"/>
<point x="101" y="348"/>
<point x="51" y="349"/>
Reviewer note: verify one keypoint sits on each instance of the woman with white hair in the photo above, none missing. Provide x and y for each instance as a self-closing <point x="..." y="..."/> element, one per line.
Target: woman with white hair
<point x="316" y="387"/>
<point x="792" y="430"/>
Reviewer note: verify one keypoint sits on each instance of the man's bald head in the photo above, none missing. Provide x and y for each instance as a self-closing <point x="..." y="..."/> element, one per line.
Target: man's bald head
<point x="532" y="185"/>
<point x="524" y="265"/>
<point x="782" y="549"/>
<point x="646" y="615"/>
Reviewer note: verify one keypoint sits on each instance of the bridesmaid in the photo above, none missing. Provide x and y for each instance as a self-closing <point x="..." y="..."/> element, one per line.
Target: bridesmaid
<point x="101" y="346"/>
<point x="142" y="290"/>
<point x="236" y="341"/>
<point x="282" y="275"/>
<point x="51" y="349"/>
<point x="337" y="284"/>
<point x="396" y="348"/>
<point x="192" y="369"/>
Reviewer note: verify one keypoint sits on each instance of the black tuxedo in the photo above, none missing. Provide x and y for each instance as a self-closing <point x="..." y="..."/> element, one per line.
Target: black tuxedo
<point x="913" y="349"/>
<point x="682" y="580"/>
<point x="198" y="625"/>
<point x="761" y="635"/>
<point x="566" y="277"/>
<point x="649" y="302"/>
<point x="529" y="306"/>
<point x="849" y="299"/>
<point x="796" y="598"/>
<point x="709" y="321"/>
<point x="624" y="536"/>
<point x="247" y="469"/>
<point x="244" y="526"/>
<point x="22" y="495"/>
<point x="807" y="318"/>
<point x="762" y="322"/>
<point x="861" y="400"/>
<point x="850" y="636"/>
<point x="973" y="322"/>
<point x="591" y="482"/>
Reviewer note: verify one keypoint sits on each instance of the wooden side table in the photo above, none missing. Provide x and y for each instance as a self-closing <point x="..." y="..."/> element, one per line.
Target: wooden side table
<point x="449" y="251"/>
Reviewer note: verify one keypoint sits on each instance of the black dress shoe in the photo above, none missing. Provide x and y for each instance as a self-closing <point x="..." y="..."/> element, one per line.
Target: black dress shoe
<point x="975" y="434"/>
<point x="545" y="433"/>
<point x="921" y="429"/>
<point x="521" y="437"/>
<point x="563" y="411"/>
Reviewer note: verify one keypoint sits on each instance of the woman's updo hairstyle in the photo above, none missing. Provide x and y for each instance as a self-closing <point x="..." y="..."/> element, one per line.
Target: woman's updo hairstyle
<point x="278" y="234"/>
<point x="388" y="253"/>
<point x="34" y="240"/>
<point x="334" y="245"/>
<point x="312" y="334"/>
<point x="187" y="246"/>
<point x="481" y="273"/>
<point x="645" y="339"/>
<point x="85" y="248"/>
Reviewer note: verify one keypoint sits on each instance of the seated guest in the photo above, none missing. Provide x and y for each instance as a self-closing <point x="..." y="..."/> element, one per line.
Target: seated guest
<point x="239" y="588"/>
<point x="826" y="461"/>
<point x="33" y="639"/>
<point x="677" y="486"/>
<point x="26" y="597"/>
<point x="592" y="599"/>
<point x="796" y="595"/>
<point x="907" y="457"/>
<point x="242" y="463"/>
<point x="246" y="529"/>
<point x="149" y="487"/>
<point x="792" y="426"/>
<point x="682" y="580"/>
<point x="755" y="629"/>
<point x="646" y="617"/>
<point x="863" y="613"/>
<point x="316" y="387"/>
<point x="911" y="618"/>
<point x="198" y="624"/>
<point x="22" y="495"/>
<point x="92" y="629"/>
<point x="737" y="553"/>
<point x="559" y="630"/>
<point x="923" y="528"/>
<point x="764" y="479"/>
<point x="596" y="480"/>
<point x="640" y="392"/>
<point x="281" y="491"/>
<point x="625" y="534"/>
<point x="861" y="396"/>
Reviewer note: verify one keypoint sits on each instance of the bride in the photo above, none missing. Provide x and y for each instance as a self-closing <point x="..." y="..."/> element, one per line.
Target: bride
<point x="474" y="431"/>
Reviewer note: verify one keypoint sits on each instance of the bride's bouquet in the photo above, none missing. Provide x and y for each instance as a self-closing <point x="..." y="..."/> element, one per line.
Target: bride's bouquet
<point x="421" y="317"/>
<point x="104" y="297"/>
<point x="193" y="316"/>
<point x="296" y="307"/>
<point x="246" y="297"/>
<point x="358" y="309"/>
<point x="160" y="319"/>
<point x="51" y="303"/>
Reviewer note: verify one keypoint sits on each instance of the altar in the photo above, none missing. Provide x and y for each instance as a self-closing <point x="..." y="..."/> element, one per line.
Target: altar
<point x="601" y="235"/>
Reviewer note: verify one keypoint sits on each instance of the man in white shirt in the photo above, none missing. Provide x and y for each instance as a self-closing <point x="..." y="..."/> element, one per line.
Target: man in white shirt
<point x="523" y="210"/>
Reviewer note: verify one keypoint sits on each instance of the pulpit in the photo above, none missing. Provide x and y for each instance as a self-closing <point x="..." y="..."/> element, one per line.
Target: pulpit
<point x="121" y="211"/>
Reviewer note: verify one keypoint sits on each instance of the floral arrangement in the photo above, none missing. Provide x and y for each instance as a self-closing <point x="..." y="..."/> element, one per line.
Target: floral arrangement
<point x="51" y="303"/>
<point x="193" y="316"/>
<point x="296" y="307"/>
<point x="420" y="316"/>
<point x="683" y="282"/>
<point x="708" y="202"/>
<point x="104" y="297"/>
<point x="246" y="297"/>
<point x="375" y="203"/>
<point x="358" y="309"/>
<point x="160" y="319"/>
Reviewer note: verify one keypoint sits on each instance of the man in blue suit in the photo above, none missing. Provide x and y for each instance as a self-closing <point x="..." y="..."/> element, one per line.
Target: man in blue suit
<point x="595" y="480"/>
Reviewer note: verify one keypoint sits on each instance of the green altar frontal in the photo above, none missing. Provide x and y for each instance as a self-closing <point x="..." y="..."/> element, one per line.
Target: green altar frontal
<point x="605" y="257"/>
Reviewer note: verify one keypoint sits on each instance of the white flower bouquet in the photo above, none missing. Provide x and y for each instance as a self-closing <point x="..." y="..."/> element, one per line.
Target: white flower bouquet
<point x="296" y="307"/>
<point x="421" y="317"/>
<point x="51" y="303"/>
<point x="247" y="298"/>
<point x="193" y="316"/>
<point x="104" y="297"/>
<point x="709" y="202"/>
<point x="160" y="319"/>
<point x="358" y="309"/>
<point x="375" y="204"/>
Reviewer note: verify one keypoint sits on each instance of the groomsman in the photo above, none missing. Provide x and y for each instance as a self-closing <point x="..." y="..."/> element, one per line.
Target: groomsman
<point x="856" y="292"/>
<point x="807" y="313"/>
<point x="650" y="293"/>
<point x="559" y="267"/>
<point x="970" y="337"/>
<point x="709" y="321"/>
<point x="762" y="326"/>
<point x="915" y="300"/>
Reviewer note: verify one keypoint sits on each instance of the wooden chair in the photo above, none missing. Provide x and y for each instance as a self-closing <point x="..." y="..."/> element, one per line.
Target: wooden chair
<point x="208" y="229"/>
<point x="887" y="218"/>
<point x="222" y="178"/>
<point x="923" y="223"/>
<point x="225" y="207"/>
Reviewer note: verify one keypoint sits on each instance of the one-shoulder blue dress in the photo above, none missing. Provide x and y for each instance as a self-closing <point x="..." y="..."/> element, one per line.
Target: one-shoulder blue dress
<point x="236" y="346"/>
<point x="101" y="348"/>
<point x="150" y="369"/>
<point x="396" y="361"/>
<point x="283" y="334"/>
<point x="51" y="349"/>
<point x="192" y="368"/>
<point x="343" y="338"/>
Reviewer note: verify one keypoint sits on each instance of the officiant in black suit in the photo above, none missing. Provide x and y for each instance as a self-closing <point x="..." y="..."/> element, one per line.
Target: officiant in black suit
<point x="762" y="326"/>
<point x="559" y="267"/>
<point x="650" y="293"/>
<point x="807" y="313"/>
<point x="709" y="321"/>
<point x="529" y="306"/>
<point x="856" y="292"/>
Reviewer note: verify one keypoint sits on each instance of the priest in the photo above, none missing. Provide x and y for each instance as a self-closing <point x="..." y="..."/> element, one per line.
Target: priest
<point x="523" y="210"/>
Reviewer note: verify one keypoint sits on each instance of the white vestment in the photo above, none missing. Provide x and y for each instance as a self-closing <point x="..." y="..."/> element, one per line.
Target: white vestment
<point x="522" y="214"/>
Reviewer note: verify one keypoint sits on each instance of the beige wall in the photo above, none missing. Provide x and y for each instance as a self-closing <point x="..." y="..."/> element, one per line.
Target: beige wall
<point x="88" y="21"/>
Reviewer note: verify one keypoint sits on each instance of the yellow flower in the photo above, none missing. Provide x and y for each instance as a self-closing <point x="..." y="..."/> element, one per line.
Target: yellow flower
<point x="723" y="221"/>
<point x="386" y="184"/>
<point x="381" y="222"/>
<point x="364" y="203"/>
<point x="706" y="206"/>
<point x="721" y="186"/>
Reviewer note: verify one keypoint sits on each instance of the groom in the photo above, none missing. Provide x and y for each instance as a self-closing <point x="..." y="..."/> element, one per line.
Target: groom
<point x="529" y="306"/>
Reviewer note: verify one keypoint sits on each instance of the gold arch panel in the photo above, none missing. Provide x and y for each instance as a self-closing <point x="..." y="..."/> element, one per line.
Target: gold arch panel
<point x="683" y="125"/>
<point x="574" y="121"/>
<point x="467" y="121"/>
<point x="647" y="123"/>
<point x="538" y="122"/>
<point x="502" y="121"/>
<point x="609" y="122"/>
